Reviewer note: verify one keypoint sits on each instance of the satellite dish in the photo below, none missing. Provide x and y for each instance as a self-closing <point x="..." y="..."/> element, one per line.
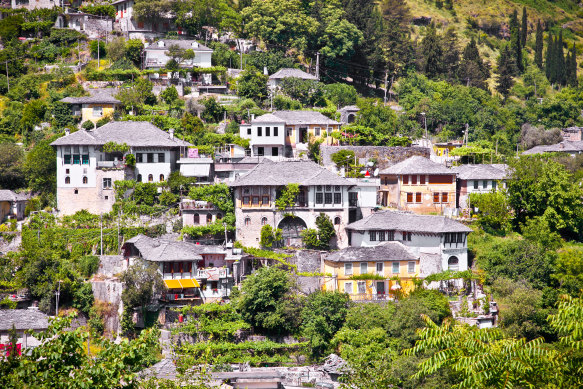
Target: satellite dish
<point x="376" y="172"/>
<point x="370" y="164"/>
<point x="363" y="171"/>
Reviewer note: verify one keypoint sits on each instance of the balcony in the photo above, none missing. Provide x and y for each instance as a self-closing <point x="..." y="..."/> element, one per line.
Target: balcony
<point x="197" y="205"/>
<point x="110" y="164"/>
<point x="213" y="273"/>
<point x="370" y="297"/>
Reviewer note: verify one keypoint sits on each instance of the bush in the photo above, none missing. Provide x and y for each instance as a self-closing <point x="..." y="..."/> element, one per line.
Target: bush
<point x="167" y="198"/>
<point x="270" y="236"/>
<point x="88" y="265"/>
<point x="83" y="297"/>
<point x="103" y="121"/>
<point x="97" y="45"/>
<point x="88" y="125"/>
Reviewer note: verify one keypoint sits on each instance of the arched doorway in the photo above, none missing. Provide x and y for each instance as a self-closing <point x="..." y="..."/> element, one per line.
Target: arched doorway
<point x="453" y="263"/>
<point x="291" y="228"/>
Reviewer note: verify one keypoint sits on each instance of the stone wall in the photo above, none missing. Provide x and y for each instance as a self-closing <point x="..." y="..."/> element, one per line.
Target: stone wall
<point x="386" y="156"/>
<point x="109" y="291"/>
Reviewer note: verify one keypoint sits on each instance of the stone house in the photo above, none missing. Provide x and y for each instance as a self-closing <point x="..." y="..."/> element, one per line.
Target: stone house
<point x="12" y="205"/>
<point x="572" y="134"/>
<point x="440" y="242"/>
<point x="565" y="147"/>
<point x="286" y="133"/>
<point x="321" y="191"/>
<point x="418" y="185"/>
<point x="478" y="179"/>
<point x="199" y="213"/>
<point x="133" y="28"/>
<point x="94" y="107"/>
<point x="86" y="173"/>
<point x="385" y="156"/>
<point x="92" y="25"/>
<point x="23" y="320"/>
<point x="277" y="78"/>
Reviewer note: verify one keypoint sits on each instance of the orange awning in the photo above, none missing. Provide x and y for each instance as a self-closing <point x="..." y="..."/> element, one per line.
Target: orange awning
<point x="173" y="284"/>
<point x="189" y="283"/>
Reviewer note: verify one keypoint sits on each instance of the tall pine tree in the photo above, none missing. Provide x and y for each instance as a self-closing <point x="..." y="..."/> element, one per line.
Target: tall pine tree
<point x="572" y="67"/>
<point x="432" y="54"/>
<point x="561" y="74"/>
<point x="549" y="66"/>
<point x="538" y="46"/>
<point x="451" y="54"/>
<point x="506" y="69"/>
<point x="473" y="70"/>
<point x="524" y="29"/>
<point x="515" y="39"/>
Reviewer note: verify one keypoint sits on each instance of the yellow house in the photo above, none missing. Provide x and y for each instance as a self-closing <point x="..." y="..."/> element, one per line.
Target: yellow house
<point x="444" y="149"/>
<point x="94" y="107"/>
<point x="371" y="273"/>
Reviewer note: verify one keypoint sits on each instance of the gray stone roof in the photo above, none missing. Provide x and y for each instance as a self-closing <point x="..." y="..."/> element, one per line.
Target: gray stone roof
<point x="291" y="72"/>
<point x="268" y="118"/>
<point x="182" y="43"/>
<point x="481" y="172"/>
<point x="417" y="165"/>
<point x="8" y="195"/>
<point x="410" y="222"/>
<point x="23" y="319"/>
<point x="304" y="117"/>
<point x="562" y="147"/>
<point x="159" y="250"/>
<point x="98" y="98"/>
<point x="134" y="134"/>
<point x="384" y="155"/>
<point x="386" y="251"/>
<point x="349" y="108"/>
<point x="289" y="172"/>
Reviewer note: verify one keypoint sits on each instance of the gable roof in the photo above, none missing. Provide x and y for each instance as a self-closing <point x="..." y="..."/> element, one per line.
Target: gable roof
<point x="291" y="72"/>
<point x="8" y="195"/>
<point x="289" y="172"/>
<point x="159" y="250"/>
<point x="23" y="319"/>
<point x="303" y="117"/>
<point x="268" y="118"/>
<point x="386" y="251"/>
<point x="405" y="221"/>
<point x="182" y="43"/>
<point x="561" y="147"/>
<point x="98" y="98"/>
<point x="481" y="172"/>
<point x="134" y="134"/>
<point x="417" y="165"/>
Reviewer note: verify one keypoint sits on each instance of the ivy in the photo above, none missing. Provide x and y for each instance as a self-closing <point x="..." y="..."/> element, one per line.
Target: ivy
<point x="267" y="254"/>
<point x="367" y="277"/>
<point x="287" y="197"/>
<point x="112" y="147"/>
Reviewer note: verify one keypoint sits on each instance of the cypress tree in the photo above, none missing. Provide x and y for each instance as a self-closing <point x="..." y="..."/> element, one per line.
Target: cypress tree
<point x="524" y="29"/>
<point x="473" y="70"/>
<point x="506" y="68"/>
<point x="572" y="66"/>
<point x="549" y="57"/>
<point x="538" y="46"/>
<point x="561" y="74"/>
<point x="432" y="63"/>
<point x="515" y="39"/>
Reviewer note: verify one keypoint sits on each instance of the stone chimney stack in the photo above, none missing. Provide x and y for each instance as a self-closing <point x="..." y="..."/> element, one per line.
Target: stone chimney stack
<point x="67" y="131"/>
<point x="171" y="131"/>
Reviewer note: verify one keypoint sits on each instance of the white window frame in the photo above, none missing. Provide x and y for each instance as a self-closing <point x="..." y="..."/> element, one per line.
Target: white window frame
<point x="361" y="285"/>
<point x="99" y="111"/>
<point x="398" y="267"/>
<point x="348" y="269"/>
<point x="380" y="268"/>
<point x="348" y="287"/>
<point x="409" y="265"/>
<point x="364" y="265"/>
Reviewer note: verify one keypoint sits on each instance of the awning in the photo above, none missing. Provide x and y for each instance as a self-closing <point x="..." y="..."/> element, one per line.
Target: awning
<point x="182" y="284"/>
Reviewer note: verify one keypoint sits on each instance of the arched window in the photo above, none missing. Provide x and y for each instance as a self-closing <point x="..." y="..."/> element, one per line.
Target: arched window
<point x="161" y="177"/>
<point x="219" y="216"/>
<point x="209" y="218"/>
<point x="263" y="221"/>
<point x="84" y="179"/>
<point x="247" y="221"/>
<point x="337" y="220"/>
<point x="453" y="263"/>
<point x="139" y="178"/>
<point x="196" y="219"/>
<point x="351" y="118"/>
<point x="67" y="180"/>
<point x="150" y="178"/>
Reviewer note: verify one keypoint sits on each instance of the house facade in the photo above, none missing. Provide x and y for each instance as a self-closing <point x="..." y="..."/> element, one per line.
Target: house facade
<point x="286" y="133"/>
<point x="371" y="273"/>
<point x="478" y="179"/>
<point x="418" y="185"/>
<point x="565" y="147"/>
<point x="12" y="205"/>
<point x="321" y="191"/>
<point x="24" y="321"/>
<point x="86" y="173"/>
<point x="157" y="58"/>
<point x="126" y="22"/>
<point x="94" y="107"/>
<point x="440" y="242"/>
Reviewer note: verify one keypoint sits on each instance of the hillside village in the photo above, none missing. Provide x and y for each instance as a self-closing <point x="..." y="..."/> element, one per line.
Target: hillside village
<point x="282" y="194"/>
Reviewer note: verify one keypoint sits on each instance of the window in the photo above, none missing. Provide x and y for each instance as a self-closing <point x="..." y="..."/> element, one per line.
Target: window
<point x="67" y="159"/>
<point x="161" y="157"/>
<point x="337" y="198"/>
<point x="328" y="188"/>
<point x="390" y="235"/>
<point x="396" y="267"/>
<point x="406" y="236"/>
<point x="150" y="178"/>
<point x="196" y="218"/>
<point x="418" y="197"/>
<point x="348" y="287"/>
<point x="107" y="183"/>
<point x="381" y="236"/>
<point x="267" y="131"/>
<point x="289" y="131"/>
<point x="265" y="190"/>
<point x="249" y="131"/>
<point x="372" y="236"/>
<point x="161" y="177"/>
<point x="363" y="268"/>
<point x="405" y="180"/>
<point x="319" y="198"/>
<point x="274" y="151"/>
<point x="255" y="200"/>
<point x="263" y="221"/>
<point x="97" y="112"/>
<point x="444" y="197"/>
<point x="150" y="157"/>
<point x="422" y="180"/>
<point x="139" y="158"/>
<point x="139" y="178"/>
<point x="76" y="159"/>
<point x="246" y="190"/>
<point x="361" y="287"/>
<point x="259" y="131"/>
<point x="436" y="197"/>
<point x="337" y="220"/>
<point x="265" y="200"/>
<point x="68" y="171"/>
<point x="476" y="183"/>
<point x="352" y="199"/>
<point x="327" y="198"/>
<point x="317" y="131"/>
<point x="85" y="159"/>
<point x="380" y="268"/>
<point x="413" y="180"/>
<point x="107" y="197"/>
<point x="219" y="216"/>
<point x="275" y="131"/>
<point x="246" y="200"/>
<point x="76" y="191"/>
<point x="453" y="263"/>
<point x="409" y="197"/>
<point x="84" y="179"/>
<point x="67" y="180"/>
<point x="411" y="267"/>
<point x="348" y="269"/>
<point x="485" y="184"/>
<point x="247" y="221"/>
<point x="494" y="185"/>
<point x="260" y="151"/>
<point x="209" y="218"/>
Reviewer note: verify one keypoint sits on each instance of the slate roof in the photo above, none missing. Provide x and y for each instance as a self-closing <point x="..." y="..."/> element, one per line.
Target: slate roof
<point x="349" y="108"/>
<point x="98" y="98"/>
<point x="304" y="117"/>
<point x="481" y="172"/>
<point x="134" y="134"/>
<point x="386" y="251"/>
<point x="417" y="165"/>
<point x="405" y="221"/>
<point x="23" y="319"/>
<point x="159" y="250"/>
<point x="562" y="147"/>
<point x="182" y="43"/>
<point x="289" y="172"/>
<point x="268" y="118"/>
<point x="291" y="72"/>
<point x="8" y="195"/>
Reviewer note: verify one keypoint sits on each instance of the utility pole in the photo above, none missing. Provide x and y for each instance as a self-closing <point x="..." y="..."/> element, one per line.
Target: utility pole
<point x="425" y="123"/>
<point x="386" y="86"/>
<point x="7" y="79"/>
<point x="57" y="295"/>
<point x="101" y="234"/>
<point x="467" y="132"/>
<point x="318" y="66"/>
<point x="98" y="40"/>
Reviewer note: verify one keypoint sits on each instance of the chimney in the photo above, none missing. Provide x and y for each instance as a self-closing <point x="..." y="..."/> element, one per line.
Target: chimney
<point x="171" y="131"/>
<point x="265" y="71"/>
<point x="67" y="131"/>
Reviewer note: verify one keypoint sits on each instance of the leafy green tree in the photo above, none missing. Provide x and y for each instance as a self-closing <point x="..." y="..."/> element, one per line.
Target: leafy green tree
<point x="493" y="215"/>
<point x="145" y="193"/>
<point x="213" y="111"/>
<point x="134" y="97"/>
<point x="307" y="92"/>
<point x="473" y="70"/>
<point x="116" y="49"/>
<point x="338" y="37"/>
<point x="320" y="238"/>
<point x="224" y="56"/>
<point x="569" y="270"/>
<point x="169" y="95"/>
<point x="340" y="94"/>
<point x="396" y="46"/>
<point x="273" y="60"/>
<point x="12" y="166"/>
<point x="252" y="84"/>
<point x="515" y="40"/>
<point x="97" y="46"/>
<point x="142" y="282"/>
<point x="83" y="297"/>
<point x="40" y="169"/>
<point x="432" y="54"/>
<point x="506" y="68"/>
<point x="524" y="28"/>
<point x="270" y="236"/>
<point x="133" y="51"/>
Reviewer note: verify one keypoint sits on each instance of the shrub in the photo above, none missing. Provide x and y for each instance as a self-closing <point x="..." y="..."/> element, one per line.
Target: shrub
<point x="88" y="265"/>
<point x="88" y="125"/>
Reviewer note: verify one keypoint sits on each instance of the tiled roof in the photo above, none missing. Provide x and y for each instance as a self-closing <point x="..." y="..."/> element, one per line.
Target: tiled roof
<point x="158" y="250"/>
<point x="134" y="134"/>
<point x="349" y="108"/>
<point x="481" y="172"/>
<point x="289" y="172"/>
<point x="23" y="319"/>
<point x="182" y="43"/>
<point x="304" y="117"/>
<point x="386" y="251"/>
<point x="562" y="147"/>
<point x="405" y="221"/>
<point x="268" y="118"/>
<point x="291" y="72"/>
<point x="8" y="195"/>
<point x="98" y="98"/>
<point x="417" y="165"/>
